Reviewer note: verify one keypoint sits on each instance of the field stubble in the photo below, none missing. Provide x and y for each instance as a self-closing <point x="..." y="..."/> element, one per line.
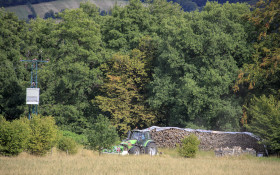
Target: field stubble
<point x="88" y="162"/>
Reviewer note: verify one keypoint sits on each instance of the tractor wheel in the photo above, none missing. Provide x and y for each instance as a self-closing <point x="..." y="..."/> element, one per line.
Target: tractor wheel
<point x="151" y="149"/>
<point x="134" y="150"/>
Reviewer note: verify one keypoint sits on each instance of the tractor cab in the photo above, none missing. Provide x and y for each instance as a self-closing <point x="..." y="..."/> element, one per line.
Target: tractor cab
<point x="138" y="135"/>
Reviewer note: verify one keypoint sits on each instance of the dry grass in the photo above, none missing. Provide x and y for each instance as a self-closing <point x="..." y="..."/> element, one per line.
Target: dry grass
<point x="88" y="162"/>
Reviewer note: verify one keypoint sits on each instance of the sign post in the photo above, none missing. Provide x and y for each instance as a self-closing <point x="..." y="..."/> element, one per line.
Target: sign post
<point x="33" y="93"/>
<point x="32" y="96"/>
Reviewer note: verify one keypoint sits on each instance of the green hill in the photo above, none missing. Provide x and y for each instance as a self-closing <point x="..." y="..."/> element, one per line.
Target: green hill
<point x="22" y="11"/>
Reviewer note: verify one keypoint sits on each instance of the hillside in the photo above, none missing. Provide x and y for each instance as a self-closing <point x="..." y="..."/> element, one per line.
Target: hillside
<point x="22" y="11"/>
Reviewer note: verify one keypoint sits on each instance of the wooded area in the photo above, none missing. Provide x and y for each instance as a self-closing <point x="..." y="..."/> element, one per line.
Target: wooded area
<point x="144" y="65"/>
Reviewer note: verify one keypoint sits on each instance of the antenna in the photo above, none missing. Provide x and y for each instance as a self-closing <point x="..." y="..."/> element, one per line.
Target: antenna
<point x="32" y="93"/>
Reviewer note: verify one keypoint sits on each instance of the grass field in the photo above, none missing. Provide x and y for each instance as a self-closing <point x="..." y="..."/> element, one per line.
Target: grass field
<point x="88" y="162"/>
<point x="22" y="11"/>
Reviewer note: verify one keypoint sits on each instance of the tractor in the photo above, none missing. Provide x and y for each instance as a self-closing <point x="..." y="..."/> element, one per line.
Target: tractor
<point x="138" y="142"/>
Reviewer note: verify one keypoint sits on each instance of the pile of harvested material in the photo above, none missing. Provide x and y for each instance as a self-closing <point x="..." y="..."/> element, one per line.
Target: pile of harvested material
<point x="209" y="140"/>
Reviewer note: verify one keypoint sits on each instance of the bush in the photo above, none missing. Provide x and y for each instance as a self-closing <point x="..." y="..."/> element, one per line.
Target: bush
<point x="103" y="134"/>
<point x="13" y="136"/>
<point x="189" y="146"/>
<point x="79" y="138"/>
<point x="68" y="145"/>
<point x="44" y="135"/>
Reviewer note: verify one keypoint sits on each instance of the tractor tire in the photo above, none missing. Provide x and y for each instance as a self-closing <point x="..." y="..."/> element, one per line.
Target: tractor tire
<point x="134" y="150"/>
<point x="151" y="149"/>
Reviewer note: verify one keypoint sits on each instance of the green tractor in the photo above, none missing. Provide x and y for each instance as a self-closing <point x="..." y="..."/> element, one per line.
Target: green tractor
<point x="137" y="142"/>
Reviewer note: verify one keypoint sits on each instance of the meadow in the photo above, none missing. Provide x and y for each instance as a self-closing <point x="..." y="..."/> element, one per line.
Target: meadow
<point x="22" y="11"/>
<point x="89" y="162"/>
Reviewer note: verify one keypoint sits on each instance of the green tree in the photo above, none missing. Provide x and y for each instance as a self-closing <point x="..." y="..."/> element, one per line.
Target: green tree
<point x="197" y="65"/>
<point x="124" y="28"/>
<point x="102" y="135"/>
<point x="92" y="10"/>
<point x="72" y="77"/>
<point x="264" y="113"/>
<point x="12" y="73"/>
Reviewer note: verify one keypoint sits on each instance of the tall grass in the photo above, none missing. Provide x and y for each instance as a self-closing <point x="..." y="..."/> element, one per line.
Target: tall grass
<point x="88" y="162"/>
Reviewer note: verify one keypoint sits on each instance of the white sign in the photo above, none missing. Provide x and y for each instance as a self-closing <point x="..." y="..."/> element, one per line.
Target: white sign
<point x="32" y="96"/>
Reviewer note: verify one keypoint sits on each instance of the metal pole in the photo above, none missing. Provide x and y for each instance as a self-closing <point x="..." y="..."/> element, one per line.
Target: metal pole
<point x="33" y="109"/>
<point x="29" y="113"/>
<point x="31" y="81"/>
<point x="36" y="72"/>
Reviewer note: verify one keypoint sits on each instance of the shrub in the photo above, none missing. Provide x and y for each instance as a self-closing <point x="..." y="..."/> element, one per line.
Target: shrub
<point x="68" y="145"/>
<point x="103" y="134"/>
<point x="189" y="146"/>
<point x="44" y="135"/>
<point x="79" y="138"/>
<point x="13" y="136"/>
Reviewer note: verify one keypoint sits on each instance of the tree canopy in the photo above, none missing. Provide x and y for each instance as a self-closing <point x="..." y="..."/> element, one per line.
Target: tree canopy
<point x="145" y="64"/>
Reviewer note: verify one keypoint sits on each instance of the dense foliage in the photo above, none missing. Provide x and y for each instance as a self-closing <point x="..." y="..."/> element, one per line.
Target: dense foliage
<point x="265" y="113"/>
<point x="36" y="136"/>
<point x="67" y="145"/>
<point x="43" y="135"/>
<point x="80" y="139"/>
<point x="102" y="135"/>
<point x="197" y="65"/>
<point x="143" y="65"/>
<point x="189" y="146"/>
<point x="14" y="136"/>
<point x="258" y="81"/>
<point x="12" y="72"/>
<point x="123" y="100"/>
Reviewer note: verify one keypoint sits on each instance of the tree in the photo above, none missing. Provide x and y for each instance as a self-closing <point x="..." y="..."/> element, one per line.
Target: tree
<point x="125" y="27"/>
<point x="91" y="9"/>
<point x="198" y="60"/>
<point x="12" y="73"/>
<point x="102" y="135"/>
<point x="262" y="72"/>
<point x="71" y="79"/>
<point x="123" y="92"/>
<point x="264" y="113"/>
